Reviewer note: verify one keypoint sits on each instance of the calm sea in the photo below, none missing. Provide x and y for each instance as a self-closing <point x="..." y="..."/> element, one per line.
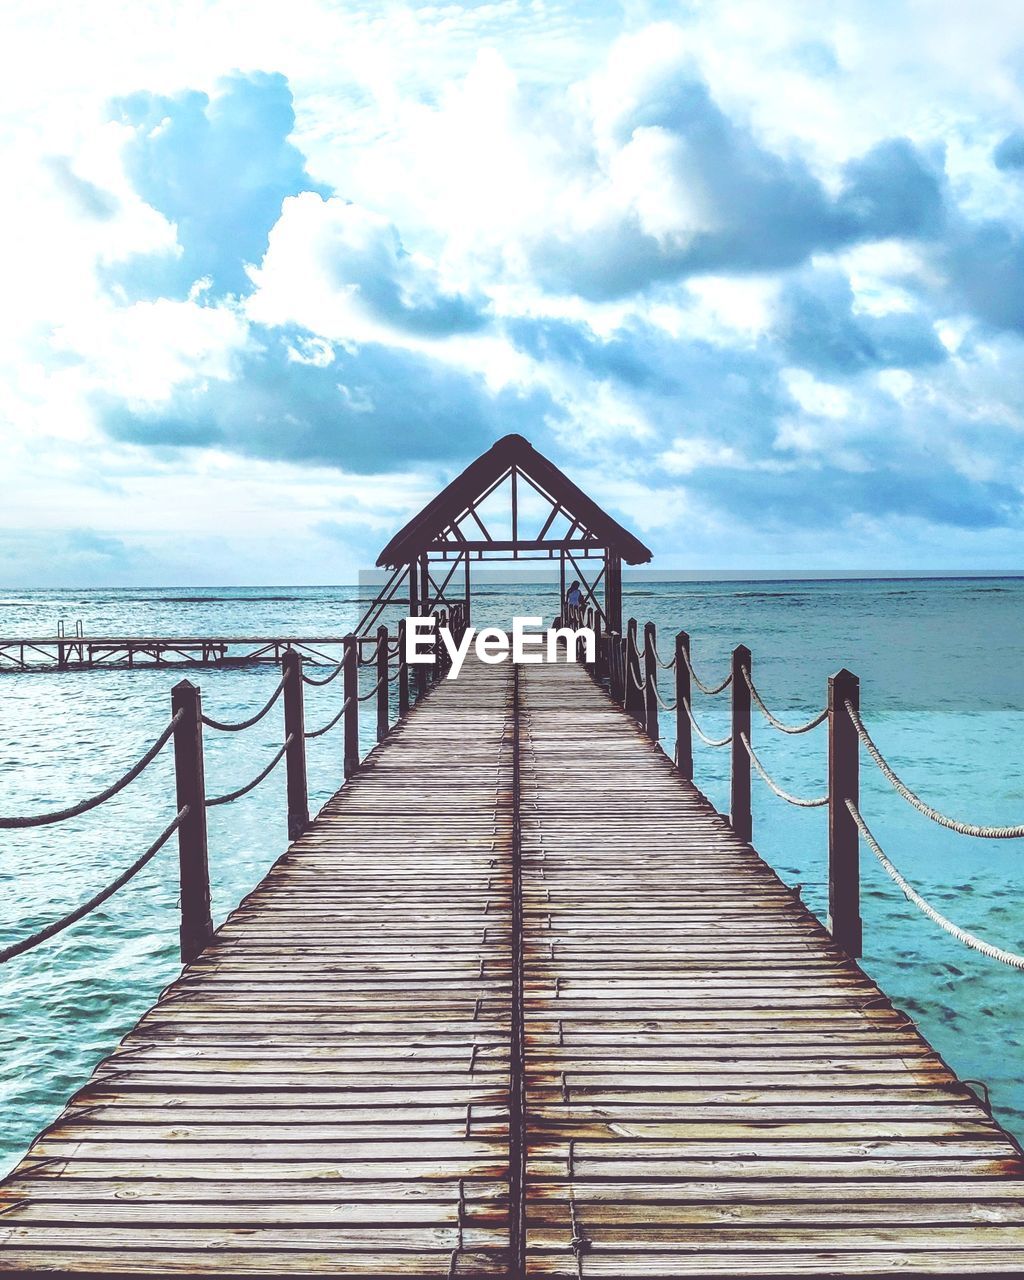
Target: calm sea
<point x="941" y="663"/>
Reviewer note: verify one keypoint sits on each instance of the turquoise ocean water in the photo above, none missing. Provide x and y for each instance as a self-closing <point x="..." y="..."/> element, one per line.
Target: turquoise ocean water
<point x="941" y="663"/>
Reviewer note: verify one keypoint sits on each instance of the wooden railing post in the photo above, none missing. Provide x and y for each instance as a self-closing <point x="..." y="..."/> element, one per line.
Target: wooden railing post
<point x="621" y="678"/>
<point x="295" y="752"/>
<point x="422" y="676"/>
<point x="650" y="682"/>
<point x="190" y="788"/>
<point x="634" y="702"/>
<point x="684" y="733"/>
<point x="351" y="718"/>
<point x="739" y="803"/>
<point x="599" y="663"/>
<point x="383" y="687"/>
<point x="843" y="837"/>
<point x="403" y="673"/>
<point x="439" y="650"/>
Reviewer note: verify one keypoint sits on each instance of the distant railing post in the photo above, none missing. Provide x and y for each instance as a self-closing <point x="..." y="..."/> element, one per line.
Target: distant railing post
<point x="650" y="682"/>
<point x="684" y="734"/>
<point x="439" y="649"/>
<point x="634" y="702"/>
<point x="351" y="677"/>
<point x="621" y="679"/>
<point x="739" y="806"/>
<point x="422" y="675"/>
<point x="403" y="673"/>
<point x="844" y="920"/>
<point x="190" y="788"/>
<point x="295" y="752"/>
<point x="599" y="663"/>
<point x="383" y="687"/>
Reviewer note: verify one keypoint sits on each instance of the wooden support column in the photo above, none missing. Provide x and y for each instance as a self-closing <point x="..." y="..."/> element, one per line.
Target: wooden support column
<point x="651" y="682"/>
<point x="350" y="676"/>
<point x="295" y="752"/>
<point x="468" y="614"/>
<point x="684" y="731"/>
<point x="190" y="789"/>
<point x="613" y="592"/>
<point x="403" y="674"/>
<point x="739" y="803"/>
<point x="424" y="585"/>
<point x="383" y="686"/>
<point x="414" y="595"/>
<point x="844" y="920"/>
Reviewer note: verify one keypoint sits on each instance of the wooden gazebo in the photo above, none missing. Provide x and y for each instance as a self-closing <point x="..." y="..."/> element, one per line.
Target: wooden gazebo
<point x="512" y="503"/>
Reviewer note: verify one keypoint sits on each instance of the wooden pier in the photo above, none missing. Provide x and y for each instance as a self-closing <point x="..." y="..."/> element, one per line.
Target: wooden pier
<point x="520" y="1002"/>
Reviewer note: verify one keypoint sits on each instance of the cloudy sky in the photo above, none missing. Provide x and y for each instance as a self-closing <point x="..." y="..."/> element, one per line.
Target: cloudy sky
<point x="752" y="272"/>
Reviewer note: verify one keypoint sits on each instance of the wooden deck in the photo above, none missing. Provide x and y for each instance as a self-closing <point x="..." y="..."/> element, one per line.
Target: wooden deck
<point x="707" y="1086"/>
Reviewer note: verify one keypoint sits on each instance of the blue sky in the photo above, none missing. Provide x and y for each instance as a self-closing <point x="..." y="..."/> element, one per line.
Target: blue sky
<point x="752" y="273"/>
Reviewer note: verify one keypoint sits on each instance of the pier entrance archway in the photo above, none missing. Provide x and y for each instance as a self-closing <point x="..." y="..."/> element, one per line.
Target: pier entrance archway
<point x="512" y="504"/>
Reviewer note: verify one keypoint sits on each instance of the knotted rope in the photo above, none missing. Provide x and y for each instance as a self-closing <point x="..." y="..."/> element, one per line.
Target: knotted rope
<point x="816" y="803"/>
<point x="250" y="786"/>
<point x="83" y="806"/>
<point x="813" y="723"/>
<point x="964" y="828"/>
<point x="968" y="939"/>
<point x="237" y="726"/>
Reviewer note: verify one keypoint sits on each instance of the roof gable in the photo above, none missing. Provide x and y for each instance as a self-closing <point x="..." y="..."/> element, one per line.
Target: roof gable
<point x="454" y="518"/>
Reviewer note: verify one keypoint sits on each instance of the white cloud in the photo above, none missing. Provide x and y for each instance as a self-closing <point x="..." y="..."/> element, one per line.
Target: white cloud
<point x="342" y="271"/>
<point x="458" y="141"/>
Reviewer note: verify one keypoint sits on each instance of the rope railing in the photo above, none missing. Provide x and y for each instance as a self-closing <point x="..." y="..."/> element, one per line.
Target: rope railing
<point x="710" y="690"/>
<point x="665" y="666"/>
<point x="370" y="692"/>
<point x="319" y="733"/>
<point x="236" y="726"/>
<point x="186" y="729"/>
<point x="314" y="680"/>
<point x="711" y="742"/>
<point x="251" y="786"/>
<point x="93" y="802"/>
<point x="806" y="727"/>
<point x="58" y="926"/>
<point x="638" y="682"/>
<point x="631" y="671"/>
<point x="816" y="803"/>
<point x="953" y="824"/>
<point x="665" y="706"/>
<point x="968" y="939"/>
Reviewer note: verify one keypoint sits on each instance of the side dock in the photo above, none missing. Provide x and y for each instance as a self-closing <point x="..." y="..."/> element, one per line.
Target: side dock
<point x="80" y="652"/>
